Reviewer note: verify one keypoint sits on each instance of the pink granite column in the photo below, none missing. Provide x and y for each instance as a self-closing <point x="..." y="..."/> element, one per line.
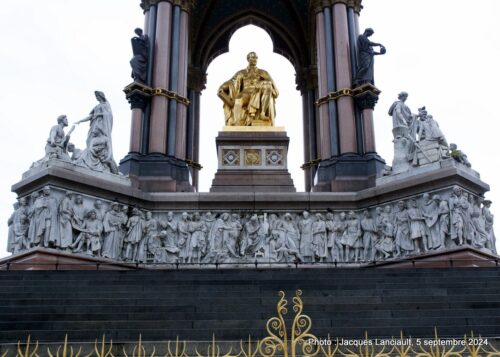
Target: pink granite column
<point x="159" y="104"/>
<point x="135" y="133"/>
<point x="369" y="131"/>
<point x="345" y="104"/>
<point x="322" y="121"/>
<point x="181" y="128"/>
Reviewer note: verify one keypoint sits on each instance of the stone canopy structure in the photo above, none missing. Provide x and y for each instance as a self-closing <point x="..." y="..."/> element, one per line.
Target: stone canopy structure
<point x="355" y="210"/>
<point x="185" y="36"/>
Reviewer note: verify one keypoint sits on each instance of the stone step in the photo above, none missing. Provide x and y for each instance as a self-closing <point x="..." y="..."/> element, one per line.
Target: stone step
<point x="234" y="303"/>
<point x="236" y="334"/>
<point x="259" y="274"/>
<point x="179" y="315"/>
<point x="249" y="293"/>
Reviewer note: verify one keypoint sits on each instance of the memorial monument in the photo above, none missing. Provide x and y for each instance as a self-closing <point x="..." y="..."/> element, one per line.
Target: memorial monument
<point x="77" y="206"/>
<point x="137" y="220"/>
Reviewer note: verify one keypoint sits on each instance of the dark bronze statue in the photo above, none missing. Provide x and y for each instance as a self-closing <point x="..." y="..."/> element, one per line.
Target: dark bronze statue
<point x="365" y="58"/>
<point x="139" y="62"/>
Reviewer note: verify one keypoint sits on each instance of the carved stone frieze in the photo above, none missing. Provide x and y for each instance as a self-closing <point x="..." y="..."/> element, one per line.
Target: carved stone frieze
<point x="82" y="224"/>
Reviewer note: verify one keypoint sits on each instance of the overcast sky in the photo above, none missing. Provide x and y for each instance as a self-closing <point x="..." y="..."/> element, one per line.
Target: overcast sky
<point x="55" y="53"/>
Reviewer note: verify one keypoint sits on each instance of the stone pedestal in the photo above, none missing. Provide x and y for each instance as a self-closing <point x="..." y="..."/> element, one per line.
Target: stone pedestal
<point x="252" y="160"/>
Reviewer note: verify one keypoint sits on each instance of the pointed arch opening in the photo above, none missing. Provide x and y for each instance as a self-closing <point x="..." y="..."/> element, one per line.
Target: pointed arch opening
<point x="288" y="104"/>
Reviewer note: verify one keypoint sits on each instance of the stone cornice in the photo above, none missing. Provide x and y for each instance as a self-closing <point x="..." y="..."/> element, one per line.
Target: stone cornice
<point x="186" y="5"/>
<point x="319" y="5"/>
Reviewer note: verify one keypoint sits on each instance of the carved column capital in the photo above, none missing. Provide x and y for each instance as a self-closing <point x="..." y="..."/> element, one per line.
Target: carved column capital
<point x="196" y="79"/>
<point x="319" y="5"/>
<point x="355" y="4"/>
<point x="186" y="5"/>
<point x="307" y="78"/>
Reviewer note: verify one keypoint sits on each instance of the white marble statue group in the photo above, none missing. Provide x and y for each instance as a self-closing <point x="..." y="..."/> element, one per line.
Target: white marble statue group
<point x="80" y="224"/>
<point x="418" y="140"/>
<point x="98" y="154"/>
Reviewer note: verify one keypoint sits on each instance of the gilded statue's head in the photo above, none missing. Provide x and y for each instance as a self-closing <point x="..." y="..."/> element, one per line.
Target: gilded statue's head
<point x="252" y="58"/>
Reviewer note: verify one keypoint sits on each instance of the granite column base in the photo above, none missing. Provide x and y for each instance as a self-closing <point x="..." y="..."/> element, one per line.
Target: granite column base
<point x="348" y="173"/>
<point x="156" y="173"/>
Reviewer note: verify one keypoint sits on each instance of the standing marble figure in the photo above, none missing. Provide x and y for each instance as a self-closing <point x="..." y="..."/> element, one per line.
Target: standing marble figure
<point x="401" y="116"/>
<point x="365" y="58"/>
<point x="98" y="155"/>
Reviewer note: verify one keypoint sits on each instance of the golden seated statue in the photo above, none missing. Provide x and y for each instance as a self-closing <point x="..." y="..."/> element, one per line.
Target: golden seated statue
<point x="249" y="96"/>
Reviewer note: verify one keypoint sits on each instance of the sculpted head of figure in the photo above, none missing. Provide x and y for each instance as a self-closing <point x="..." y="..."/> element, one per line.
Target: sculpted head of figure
<point x="100" y="96"/>
<point x="184" y="216"/>
<point x="457" y="191"/>
<point x="401" y="205"/>
<point x="46" y="190"/>
<point x="92" y="215"/>
<point x="115" y="206"/>
<point x="252" y="59"/>
<point x="149" y="215"/>
<point x="62" y="119"/>
<point x="388" y="209"/>
<point x="403" y="96"/>
<point x="368" y="32"/>
<point x="79" y="199"/>
<point x="98" y="204"/>
<point x="138" y="31"/>
<point x="170" y="216"/>
<point x="305" y="214"/>
<point x="22" y="201"/>
<point x="342" y="216"/>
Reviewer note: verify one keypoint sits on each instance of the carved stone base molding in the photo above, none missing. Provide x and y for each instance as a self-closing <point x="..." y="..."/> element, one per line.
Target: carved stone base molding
<point x="252" y="160"/>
